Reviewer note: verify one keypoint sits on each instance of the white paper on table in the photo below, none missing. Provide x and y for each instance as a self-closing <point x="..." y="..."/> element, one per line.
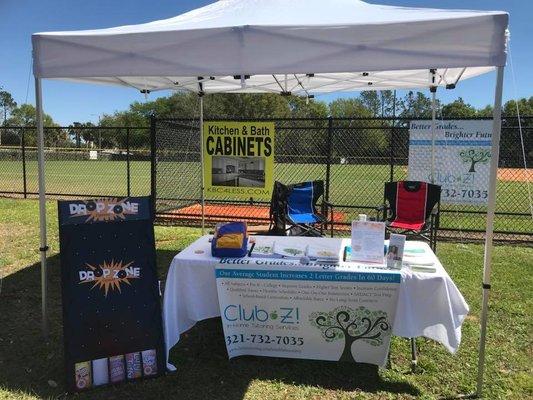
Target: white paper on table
<point x="368" y="238"/>
<point x="263" y="249"/>
<point x="327" y="250"/>
<point x="418" y="259"/>
<point x="292" y="251"/>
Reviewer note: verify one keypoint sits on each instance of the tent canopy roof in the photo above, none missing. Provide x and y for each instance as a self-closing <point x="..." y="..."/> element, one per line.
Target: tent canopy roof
<point x="296" y="46"/>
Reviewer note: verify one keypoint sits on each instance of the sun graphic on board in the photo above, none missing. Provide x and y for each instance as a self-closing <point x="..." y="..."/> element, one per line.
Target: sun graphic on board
<point x="106" y="209"/>
<point x="111" y="275"/>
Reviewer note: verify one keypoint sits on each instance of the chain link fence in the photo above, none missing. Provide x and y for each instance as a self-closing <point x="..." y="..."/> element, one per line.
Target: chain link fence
<point x="79" y="161"/>
<point x="354" y="157"/>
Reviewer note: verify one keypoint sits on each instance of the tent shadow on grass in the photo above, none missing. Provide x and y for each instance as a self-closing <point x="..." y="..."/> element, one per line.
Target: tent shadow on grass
<point x="28" y="363"/>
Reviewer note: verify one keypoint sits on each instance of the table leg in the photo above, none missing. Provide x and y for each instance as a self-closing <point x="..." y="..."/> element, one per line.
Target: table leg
<point x="413" y="354"/>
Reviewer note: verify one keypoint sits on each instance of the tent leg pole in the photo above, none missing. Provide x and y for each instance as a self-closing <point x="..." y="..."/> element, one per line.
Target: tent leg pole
<point x="433" y="127"/>
<point x="42" y="205"/>
<point x="491" y="206"/>
<point x="202" y="161"/>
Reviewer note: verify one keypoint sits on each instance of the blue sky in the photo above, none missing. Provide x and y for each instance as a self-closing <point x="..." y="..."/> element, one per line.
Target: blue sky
<point x="69" y="102"/>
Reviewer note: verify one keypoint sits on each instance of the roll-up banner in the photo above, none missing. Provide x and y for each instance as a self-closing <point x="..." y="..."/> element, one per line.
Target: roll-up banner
<point x="238" y="160"/>
<point x="111" y="304"/>
<point x="462" y="158"/>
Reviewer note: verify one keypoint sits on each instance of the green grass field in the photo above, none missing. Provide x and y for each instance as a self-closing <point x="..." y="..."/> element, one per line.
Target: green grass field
<point x="360" y="185"/>
<point x="79" y="177"/>
<point x="31" y="368"/>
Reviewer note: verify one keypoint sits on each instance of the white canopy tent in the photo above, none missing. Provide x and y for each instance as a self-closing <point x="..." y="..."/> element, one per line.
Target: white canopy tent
<point x="299" y="47"/>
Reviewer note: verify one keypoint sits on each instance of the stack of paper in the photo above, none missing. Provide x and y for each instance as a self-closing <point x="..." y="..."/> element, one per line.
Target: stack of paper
<point x="263" y="250"/>
<point x="326" y="251"/>
<point x="422" y="268"/>
<point x="294" y="252"/>
<point x="419" y="262"/>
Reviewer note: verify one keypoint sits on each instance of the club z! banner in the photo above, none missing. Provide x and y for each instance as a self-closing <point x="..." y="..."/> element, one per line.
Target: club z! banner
<point x="462" y="158"/>
<point x="238" y="160"/>
<point x="111" y="304"/>
<point x="306" y="312"/>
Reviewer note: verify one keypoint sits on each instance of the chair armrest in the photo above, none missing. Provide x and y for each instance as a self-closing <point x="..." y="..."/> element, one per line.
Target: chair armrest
<point x="324" y="208"/>
<point x="435" y="218"/>
<point x="325" y="205"/>
<point x="381" y="212"/>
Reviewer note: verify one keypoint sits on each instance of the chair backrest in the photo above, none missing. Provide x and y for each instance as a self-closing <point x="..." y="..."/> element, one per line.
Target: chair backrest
<point x="299" y="198"/>
<point x="411" y="201"/>
<point x="304" y="196"/>
<point x="278" y="207"/>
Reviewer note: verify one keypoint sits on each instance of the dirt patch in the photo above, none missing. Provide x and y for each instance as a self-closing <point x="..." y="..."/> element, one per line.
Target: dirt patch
<point x="472" y="318"/>
<point x="515" y="174"/>
<point x="216" y="213"/>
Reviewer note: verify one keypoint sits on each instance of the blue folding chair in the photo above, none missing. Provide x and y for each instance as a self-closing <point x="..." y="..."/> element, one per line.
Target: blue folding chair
<point x="293" y="209"/>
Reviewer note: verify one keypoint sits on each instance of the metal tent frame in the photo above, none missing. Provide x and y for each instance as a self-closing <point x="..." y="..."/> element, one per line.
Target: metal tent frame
<point x="326" y="40"/>
<point x="491" y="206"/>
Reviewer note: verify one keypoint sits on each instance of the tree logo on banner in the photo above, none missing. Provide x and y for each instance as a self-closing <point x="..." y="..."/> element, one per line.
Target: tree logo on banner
<point x="351" y="325"/>
<point x="104" y="210"/>
<point x="110" y="275"/>
<point x="473" y="157"/>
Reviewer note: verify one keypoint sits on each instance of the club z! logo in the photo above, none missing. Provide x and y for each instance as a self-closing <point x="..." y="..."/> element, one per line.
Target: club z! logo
<point x="109" y="275"/>
<point x="472" y="157"/>
<point x="238" y="312"/>
<point x="100" y="210"/>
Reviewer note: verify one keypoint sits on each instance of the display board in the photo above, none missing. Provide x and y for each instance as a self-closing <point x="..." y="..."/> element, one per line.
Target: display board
<point x="462" y="158"/>
<point x="111" y="304"/>
<point x="273" y="308"/>
<point x="238" y="159"/>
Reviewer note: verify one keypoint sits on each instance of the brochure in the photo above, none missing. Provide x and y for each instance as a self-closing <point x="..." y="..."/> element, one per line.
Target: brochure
<point x="395" y="251"/>
<point x="367" y="241"/>
<point x="417" y="259"/>
<point x="294" y="252"/>
<point x="326" y="251"/>
<point x="347" y="257"/>
<point x="414" y="250"/>
<point x="422" y="268"/>
<point x="263" y="250"/>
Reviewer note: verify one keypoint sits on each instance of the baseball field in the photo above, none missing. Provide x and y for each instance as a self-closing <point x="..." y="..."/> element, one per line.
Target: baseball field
<point x="354" y="186"/>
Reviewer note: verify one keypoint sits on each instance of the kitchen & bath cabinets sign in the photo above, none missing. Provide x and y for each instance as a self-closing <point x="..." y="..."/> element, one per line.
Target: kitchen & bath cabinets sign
<point x="238" y="159"/>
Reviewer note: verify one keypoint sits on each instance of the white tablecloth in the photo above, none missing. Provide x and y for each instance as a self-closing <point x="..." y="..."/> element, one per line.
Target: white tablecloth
<point x="429" y="304"/>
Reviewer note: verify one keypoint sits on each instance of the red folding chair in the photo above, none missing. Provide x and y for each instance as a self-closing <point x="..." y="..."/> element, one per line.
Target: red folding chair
<point x="412" y="208"/>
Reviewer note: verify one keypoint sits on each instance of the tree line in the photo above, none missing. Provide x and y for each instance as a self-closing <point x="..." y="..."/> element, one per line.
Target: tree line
<point x="368" y="104"/>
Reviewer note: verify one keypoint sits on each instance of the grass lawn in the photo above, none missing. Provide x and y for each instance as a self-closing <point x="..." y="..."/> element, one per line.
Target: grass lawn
<point x="31" y="368"/>
<point x="351" y="185"/>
